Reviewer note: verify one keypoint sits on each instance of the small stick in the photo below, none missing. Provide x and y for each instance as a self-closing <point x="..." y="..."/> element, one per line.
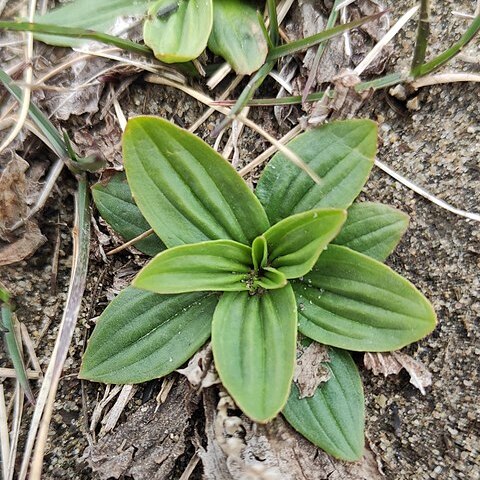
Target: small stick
<point x="143" y="235"/>
<point x="10" y="373"/>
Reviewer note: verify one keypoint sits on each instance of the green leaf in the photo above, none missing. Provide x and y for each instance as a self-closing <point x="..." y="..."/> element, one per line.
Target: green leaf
<point x="115" y="204"/>
<point x="253" y="341"/>
<point x="237" y="35"/>
<point x="295" y="243"/>
<point x="13" y="344"/>
<point x="341" y="153"/>
<point x="91" y="14"/>
<point x="143" y="335"/>
<point x="187" y="192"/>
<point x="333" y="419"/>
<point x="373" y="229"/>
<point x="178" y="34"/>
<point x="259" y="252"/>
<point x="270" y="278"/>
<point x="354" y="302"/>
<point x="219" y="265"/>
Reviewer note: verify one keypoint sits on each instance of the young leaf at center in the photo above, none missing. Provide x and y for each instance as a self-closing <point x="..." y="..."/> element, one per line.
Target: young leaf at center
<point x="295" y="243"/>
<point x="253" y="341"/>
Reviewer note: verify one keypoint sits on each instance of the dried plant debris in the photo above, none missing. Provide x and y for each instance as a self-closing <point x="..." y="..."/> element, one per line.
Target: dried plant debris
<point x="82" y="89"/>
<point x="238" y="449"/>
<point x="149" y="443"/>
<point x="392" y="363"/>
<point x="310" y="371"/>
<point x="14" y="192"/>
<point x="309" y="18"/>
<point x="200" y="371"/>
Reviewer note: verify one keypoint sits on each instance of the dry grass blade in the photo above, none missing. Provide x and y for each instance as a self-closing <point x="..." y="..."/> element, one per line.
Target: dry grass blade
<point x="4" y="440"/>
<point x="46" y="397"/>
<point x="421" y="191"/>
<point x="15" y="431"/>
<point x="27" y="91"/>
<point x="445" y="78"/>
<point x="270" y="151"/>
<point x="294" y="158"/>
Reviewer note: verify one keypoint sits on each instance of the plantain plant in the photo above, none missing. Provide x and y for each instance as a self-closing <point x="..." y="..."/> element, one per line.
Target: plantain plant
<point x="250" y="269"/>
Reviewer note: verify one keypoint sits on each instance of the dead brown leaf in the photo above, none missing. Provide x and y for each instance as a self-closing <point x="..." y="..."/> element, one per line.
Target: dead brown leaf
<point x="310" y="371"/>
<point x="392" y="363"/>
<point x="200" y="370"/>
<point x="24" y="247"/>
<point x="14" y="192"/>
<point x="13" y="185"/>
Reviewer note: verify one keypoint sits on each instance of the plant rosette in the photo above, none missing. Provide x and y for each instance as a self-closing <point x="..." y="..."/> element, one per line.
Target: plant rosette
<point x="250" y="269"/>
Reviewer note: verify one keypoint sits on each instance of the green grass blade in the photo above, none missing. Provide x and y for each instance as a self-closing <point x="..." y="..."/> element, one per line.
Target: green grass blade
<point x="304" y="43"/>
<point x="42" y="122"/>
<point x="75" y="32"/>
<point x="447" y="55"/>
<point x="12" y="344"/>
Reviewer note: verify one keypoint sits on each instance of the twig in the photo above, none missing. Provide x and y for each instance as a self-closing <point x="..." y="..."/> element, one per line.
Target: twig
<point x="437" y="201"/>
<point x="269" y="152"/>
<point x="125" y="245"/>
<point x="421" y="44"/>
<point x="11" y="373"/>
<point x="190" y="467"/>
<point x="46" y="397"/>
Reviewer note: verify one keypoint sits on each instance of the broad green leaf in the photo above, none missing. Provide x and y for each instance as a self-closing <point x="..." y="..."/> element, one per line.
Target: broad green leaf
<point x="219" y="265"/>
<point x="372" y="229"/>
<point x="92" y="14"/>
<point x="178" y="30"/>
<point x="187" y="192"/>
<point x="259" y="252"/>
<point x="143" y="335"/>
<point x="354" y="302"/>
<point x="253" y="341"/>
<point x="115" y="204"/>
<point x="295" y="243"/>
<point x="333" y="419"/>
<point x="341" y="153"/>
<point x="237" y="35"/>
